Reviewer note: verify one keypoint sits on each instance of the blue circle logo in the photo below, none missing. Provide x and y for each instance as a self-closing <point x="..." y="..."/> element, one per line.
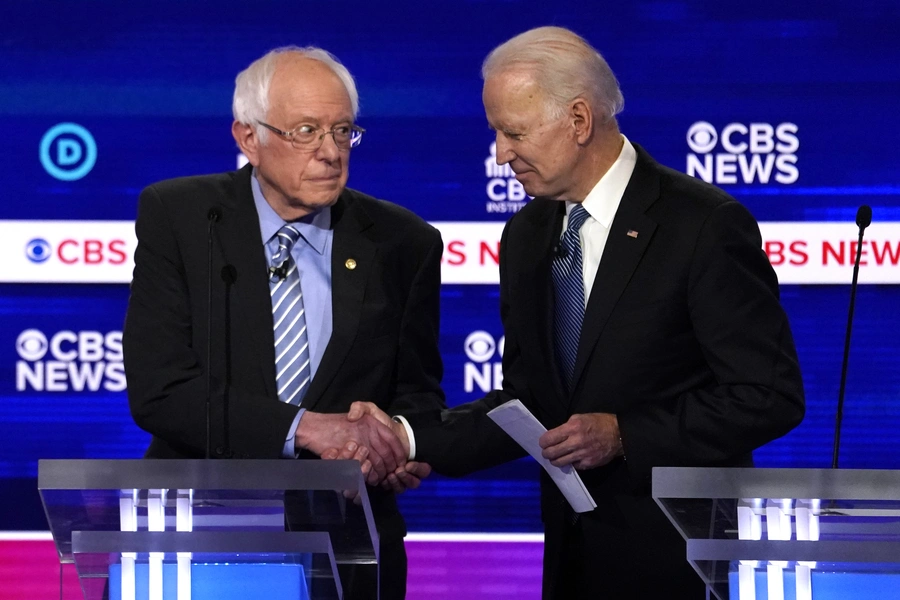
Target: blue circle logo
<point x="38" y="250"/>
<point x="68" y="151"/>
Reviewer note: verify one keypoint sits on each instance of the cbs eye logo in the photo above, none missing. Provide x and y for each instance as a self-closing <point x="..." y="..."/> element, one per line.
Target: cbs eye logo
<point x="68" y="151"/>
<point x="702" y="137"/>
<point x="38" y="250"/>
<point x="31" y="345"/>
<point x="480" y="346"/>
<point x="484" y="370"/>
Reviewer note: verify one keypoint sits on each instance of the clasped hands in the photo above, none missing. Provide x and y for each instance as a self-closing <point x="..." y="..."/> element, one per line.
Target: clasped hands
<point x="381" y="445"/>
<point x="368" y="435"/>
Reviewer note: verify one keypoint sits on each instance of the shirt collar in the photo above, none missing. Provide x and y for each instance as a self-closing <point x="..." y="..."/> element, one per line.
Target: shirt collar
<point x="602" y="201"/>
<point x="314" y="228"/>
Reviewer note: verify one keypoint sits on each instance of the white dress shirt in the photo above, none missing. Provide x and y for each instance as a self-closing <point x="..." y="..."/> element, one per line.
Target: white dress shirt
<point x="601" y="203"/>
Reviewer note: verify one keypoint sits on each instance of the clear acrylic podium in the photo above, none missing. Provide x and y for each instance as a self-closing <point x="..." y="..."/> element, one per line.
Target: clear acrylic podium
<point x="787" y="533"/>
<point x="203" y="529"/>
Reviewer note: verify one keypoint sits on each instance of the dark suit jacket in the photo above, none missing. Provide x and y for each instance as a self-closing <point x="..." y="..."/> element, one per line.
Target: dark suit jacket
<point x="684" y="339"/>
<point x="384" y="345"/>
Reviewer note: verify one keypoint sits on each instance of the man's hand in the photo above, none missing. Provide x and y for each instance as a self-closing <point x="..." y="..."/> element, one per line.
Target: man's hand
<point x="407" y="477"/>
<point x="358" y="410"/>
<point x="586" y="441"/>
<point x="319" y="432"/>
<point x="352" y="451"/>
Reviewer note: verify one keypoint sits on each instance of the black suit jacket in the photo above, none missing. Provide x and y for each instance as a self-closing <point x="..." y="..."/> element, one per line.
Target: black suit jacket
<point x="684" y="339"/>
<point x="384" y="345"/>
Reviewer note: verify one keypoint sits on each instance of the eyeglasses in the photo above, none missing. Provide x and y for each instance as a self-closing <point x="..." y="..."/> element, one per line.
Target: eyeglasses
<point x="309" y="137"/>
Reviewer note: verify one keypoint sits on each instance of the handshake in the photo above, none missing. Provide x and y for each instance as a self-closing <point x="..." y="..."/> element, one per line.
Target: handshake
<point x="368" y="435"/>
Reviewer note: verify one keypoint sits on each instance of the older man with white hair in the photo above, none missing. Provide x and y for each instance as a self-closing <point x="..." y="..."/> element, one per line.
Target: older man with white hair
<point x="642" y="322"/>
<point x="282" y="296"/>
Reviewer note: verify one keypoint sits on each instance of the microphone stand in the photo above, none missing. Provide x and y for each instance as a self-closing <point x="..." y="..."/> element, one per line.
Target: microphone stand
<point x="863" y="220"/>
<point x="229" y="276"/>
<point x="212" y="216"/>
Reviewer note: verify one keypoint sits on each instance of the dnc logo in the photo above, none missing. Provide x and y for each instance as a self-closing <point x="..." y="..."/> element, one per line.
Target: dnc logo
<point x="68" y="151"/>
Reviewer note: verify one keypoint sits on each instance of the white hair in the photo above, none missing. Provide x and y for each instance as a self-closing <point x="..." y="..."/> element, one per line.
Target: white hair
<point x="564" y="66"/>
<point x="251" y="87"/>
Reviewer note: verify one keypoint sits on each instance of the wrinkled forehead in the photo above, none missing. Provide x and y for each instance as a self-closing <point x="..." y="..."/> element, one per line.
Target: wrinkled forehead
<point x="514" y="98"/>
<point x="308" y="87"/>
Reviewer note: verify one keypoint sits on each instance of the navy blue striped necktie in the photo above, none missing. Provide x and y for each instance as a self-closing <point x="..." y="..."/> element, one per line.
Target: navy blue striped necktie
<point x="568" y="285"/>
<point x="292" y="369"/>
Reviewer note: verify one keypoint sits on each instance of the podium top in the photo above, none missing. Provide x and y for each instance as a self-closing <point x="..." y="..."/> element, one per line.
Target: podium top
<point x="737" y="520"/>
<point x="199" y="474"/>
<point x="830" y="484"/>
<point x="176" y="498"/>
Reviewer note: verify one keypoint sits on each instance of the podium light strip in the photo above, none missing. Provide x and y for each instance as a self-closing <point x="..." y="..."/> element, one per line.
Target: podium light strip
<point x="128" y="522"/>
<point x="775" y="581"/>
<point x="156" y="521"/>
<point x="747" y="581"/>
<point x="537" y="538"/>
<point x="184" y="521"/>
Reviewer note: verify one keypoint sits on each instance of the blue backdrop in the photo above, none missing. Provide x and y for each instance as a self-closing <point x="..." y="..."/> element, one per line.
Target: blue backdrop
<point x="152" y="85"/>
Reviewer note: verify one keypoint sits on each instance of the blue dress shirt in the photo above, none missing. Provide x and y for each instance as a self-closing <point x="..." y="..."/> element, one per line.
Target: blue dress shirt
<point x="312" y="254"/>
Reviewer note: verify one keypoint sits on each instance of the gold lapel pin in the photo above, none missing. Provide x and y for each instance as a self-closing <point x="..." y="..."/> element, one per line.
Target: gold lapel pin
<point x="350" y="264"/>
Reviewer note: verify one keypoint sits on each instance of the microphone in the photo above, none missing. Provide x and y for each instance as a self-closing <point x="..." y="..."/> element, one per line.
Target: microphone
<point x="864" y="217"/>
<point x="559" y="251"/>
<point x="280" y="272"/>
<point x="229" y="274"/>
<point x="863" y="220"/>
<point x="212" y="217"/>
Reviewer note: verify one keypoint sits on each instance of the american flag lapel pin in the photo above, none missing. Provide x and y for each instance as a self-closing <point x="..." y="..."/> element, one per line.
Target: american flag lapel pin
<point x="632" y="233"/>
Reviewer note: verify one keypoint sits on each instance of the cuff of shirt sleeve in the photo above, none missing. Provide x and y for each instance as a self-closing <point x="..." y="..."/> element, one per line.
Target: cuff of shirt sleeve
<point x="289" y="451"/>
<point x="409" y="435"/>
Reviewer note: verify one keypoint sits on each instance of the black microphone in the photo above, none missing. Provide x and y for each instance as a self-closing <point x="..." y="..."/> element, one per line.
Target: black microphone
<point x="559" y="251"/>
<point x="229" y="274"/>
<point x="863" y="217"/>
<point x="213" y="217"/>
<point x="863" y="220"/>
<point x="280" y="271"/>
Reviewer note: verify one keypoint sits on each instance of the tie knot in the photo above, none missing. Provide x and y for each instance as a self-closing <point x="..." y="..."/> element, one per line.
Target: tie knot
<point x="577" y="216"/>
<point x="287" y="236"/>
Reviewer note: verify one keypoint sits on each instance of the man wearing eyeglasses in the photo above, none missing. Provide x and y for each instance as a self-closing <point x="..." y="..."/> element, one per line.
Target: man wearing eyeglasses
<point x="283" y="296"/>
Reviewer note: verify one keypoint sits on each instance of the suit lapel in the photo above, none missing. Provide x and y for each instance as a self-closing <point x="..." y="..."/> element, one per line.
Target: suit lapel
<point x="348" y="286"/>
<point x="239" y="238"/>
<point x="629" y="236"/>
<point x="535" y="293"/>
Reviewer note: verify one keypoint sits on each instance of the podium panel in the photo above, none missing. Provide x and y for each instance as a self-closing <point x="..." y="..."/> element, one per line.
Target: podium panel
<point x="787" y="533"/>
<point x="195" y="529"/>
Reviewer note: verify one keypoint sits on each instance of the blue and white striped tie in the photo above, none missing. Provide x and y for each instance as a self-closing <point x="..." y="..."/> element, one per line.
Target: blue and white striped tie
<point x="292" y="371"/>
<point x="568" y="284"/>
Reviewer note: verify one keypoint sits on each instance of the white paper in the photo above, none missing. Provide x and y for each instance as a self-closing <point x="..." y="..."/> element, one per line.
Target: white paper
<point x="522" y="426"/>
